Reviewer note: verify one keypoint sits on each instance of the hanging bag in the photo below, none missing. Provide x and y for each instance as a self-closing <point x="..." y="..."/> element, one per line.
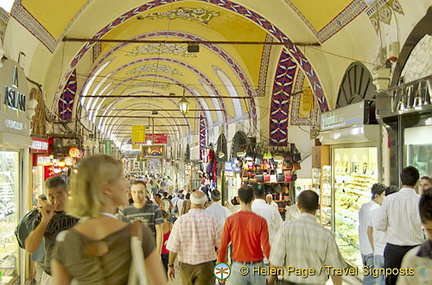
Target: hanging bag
<point x="137" y="271"/>
<point x="25" y="227"/>
<point x="296" y="156"/>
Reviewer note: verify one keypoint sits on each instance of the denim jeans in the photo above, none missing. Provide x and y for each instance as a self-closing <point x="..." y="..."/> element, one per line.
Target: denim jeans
<point x="368" y="261"/>
<point x="246" y="274"/>
<point x="379" y="263"/>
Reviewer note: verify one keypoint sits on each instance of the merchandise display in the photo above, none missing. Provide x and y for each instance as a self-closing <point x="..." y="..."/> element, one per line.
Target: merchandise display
<point x="8" y="183"/>
<point x="352" y="183"/>
<point x="321" y="183"/>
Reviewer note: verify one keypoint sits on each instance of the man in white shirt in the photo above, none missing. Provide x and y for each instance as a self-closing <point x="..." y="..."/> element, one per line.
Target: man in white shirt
<point x="215" y="209"/>
<point x="377" y="239"/>
<point x="365" y="213"/>
<point x="400" y="218"/>
<point x="419" y="259"/>
<point x="269" y="200"/>
<point x="270" y="213"/>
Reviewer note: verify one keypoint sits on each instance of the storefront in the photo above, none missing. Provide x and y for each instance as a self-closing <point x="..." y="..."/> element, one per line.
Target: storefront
<point x="354" y="149"/>
<point x="406" y="112"/>
<point x="41" y="162"/>
<point x="14" y="165"/>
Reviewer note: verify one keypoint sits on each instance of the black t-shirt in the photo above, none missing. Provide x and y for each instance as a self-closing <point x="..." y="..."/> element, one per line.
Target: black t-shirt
<point x="59" y="222"/>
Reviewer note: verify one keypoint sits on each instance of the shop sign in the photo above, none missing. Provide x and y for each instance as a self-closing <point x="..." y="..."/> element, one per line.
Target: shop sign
<point x="39" y="145"/>
<point x="138" y="134"/>
<point x="155" y="139"/>
<point x="108" y="147"/>
<point x="228" y="166"/>
<point x="14" y="98"/>
<point x="236" y="169"/>
<point x="347" y="116"/>
<point x="41" y="159"/>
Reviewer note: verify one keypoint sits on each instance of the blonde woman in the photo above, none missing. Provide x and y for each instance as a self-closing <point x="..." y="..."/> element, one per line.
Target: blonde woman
<point x="97" y="250"/>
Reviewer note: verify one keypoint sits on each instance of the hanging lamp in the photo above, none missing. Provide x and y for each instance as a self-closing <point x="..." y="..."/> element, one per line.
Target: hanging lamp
<point x="184" y="104"/>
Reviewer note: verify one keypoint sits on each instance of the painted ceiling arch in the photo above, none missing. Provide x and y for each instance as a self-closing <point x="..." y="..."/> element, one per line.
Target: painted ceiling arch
<point x="296" y="53"/>
<point x="162" y="128"/>
<point x="198" y="21"/>
<point x="214" y="90"/>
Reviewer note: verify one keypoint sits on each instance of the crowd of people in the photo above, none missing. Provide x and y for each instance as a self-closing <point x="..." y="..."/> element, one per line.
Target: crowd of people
<point x="87" y="236"/>
<point x="393" y="223"/>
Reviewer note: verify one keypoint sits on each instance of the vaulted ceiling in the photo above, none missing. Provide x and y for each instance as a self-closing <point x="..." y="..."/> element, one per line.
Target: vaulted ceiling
<point x="113" y="63"/>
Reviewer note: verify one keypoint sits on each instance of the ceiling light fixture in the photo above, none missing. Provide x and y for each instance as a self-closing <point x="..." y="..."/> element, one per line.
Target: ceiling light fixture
<point x="184" y="104"/>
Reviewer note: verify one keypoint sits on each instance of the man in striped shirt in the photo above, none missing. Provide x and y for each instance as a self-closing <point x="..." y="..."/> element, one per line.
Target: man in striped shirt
<point x="194" y="239"/>
<point x="144" y="210"/>
<point x="305" y="250"/>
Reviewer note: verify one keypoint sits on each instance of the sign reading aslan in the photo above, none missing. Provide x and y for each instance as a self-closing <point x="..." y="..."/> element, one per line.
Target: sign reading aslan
<point x="13" y="96"/>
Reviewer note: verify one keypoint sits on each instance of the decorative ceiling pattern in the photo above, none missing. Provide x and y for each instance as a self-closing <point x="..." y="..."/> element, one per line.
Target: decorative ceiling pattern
<point x="155" y="67"/>
<point x="216" y="49"/>
<point x="170" y="49"/>
<point x="303" y="110"/>
<point x="203" y="133"/>
<point x="238" y="9"/>
<point x="66" y="102"/>
<point x="279" y="107"/>
<point x="199" y="15"/>
<point x="382" y="11"/>
<point x="264" y="67"/>
<point x="44" y="21"/>
<point x="326" y="18"/>
<point x="138" y="10"/>
<point x="126" y="63"/>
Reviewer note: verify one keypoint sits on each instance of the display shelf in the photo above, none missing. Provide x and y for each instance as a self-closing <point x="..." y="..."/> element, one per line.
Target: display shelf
<point x="354" y="174"/>
<point x="349" y="241"/>
<point x="345" y="218"/>
<point x="9" y="177"/>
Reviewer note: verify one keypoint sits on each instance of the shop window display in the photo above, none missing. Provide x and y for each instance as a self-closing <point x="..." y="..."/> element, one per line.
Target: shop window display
<point x="9" y="177"/>
<point x="355" y="171"/>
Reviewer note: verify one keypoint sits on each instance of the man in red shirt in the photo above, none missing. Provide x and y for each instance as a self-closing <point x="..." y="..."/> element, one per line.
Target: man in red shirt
<point x="249" y="236"/>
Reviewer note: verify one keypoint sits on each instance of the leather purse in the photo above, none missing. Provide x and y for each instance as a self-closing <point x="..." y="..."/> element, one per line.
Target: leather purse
<point x="296" y="156"/>
<point x="280" y="177"/>
<point x="266" y="177"/>
<point x="296" y="166"/>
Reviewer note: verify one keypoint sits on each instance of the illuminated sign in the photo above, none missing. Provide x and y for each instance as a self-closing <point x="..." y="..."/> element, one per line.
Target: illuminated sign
<point x="39" y="145"/>
<point x="155" y="139"/>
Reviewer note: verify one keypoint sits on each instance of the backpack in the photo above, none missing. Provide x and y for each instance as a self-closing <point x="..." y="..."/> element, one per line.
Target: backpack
<point x="25" y="227"/>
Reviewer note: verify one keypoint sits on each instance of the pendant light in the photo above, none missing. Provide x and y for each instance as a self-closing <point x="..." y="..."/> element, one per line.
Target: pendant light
<point x="184" y="104"/>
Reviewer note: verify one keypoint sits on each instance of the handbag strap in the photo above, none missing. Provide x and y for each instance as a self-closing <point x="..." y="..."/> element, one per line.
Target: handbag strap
<point x="137" y="272"/>
<point x="137" y="229"/>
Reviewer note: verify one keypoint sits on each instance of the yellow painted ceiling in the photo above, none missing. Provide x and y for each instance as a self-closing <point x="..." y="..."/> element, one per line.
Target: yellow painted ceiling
<point x="53" y="15"/>
<point x="223" y="26"/>
<point x="154" y="74"/>
<point x="319" y="13"/>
